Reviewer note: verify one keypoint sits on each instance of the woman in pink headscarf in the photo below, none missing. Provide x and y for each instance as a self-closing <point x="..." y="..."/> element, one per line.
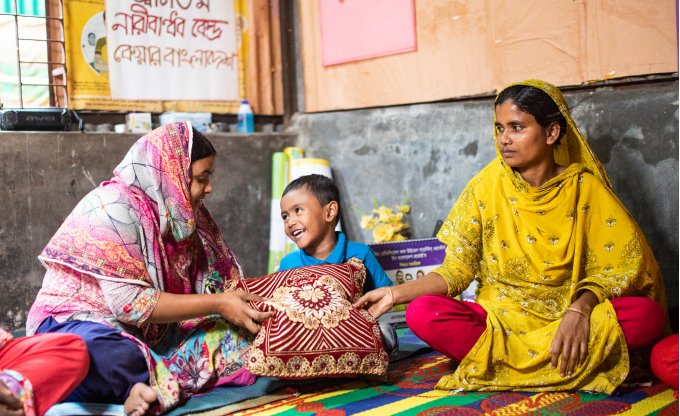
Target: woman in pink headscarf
<point x="140" y="270"/>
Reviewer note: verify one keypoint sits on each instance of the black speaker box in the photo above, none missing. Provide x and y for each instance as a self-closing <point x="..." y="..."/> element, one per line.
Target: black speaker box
<point x="35" y="119"/>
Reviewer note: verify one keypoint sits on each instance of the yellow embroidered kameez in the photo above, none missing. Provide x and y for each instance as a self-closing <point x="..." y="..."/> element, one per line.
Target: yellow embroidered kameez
<point x="533" y="251"/>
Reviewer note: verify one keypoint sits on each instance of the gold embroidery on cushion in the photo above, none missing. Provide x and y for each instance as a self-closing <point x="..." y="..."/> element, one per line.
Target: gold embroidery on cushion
<point x="376" y="331"/>
<point x="349" y="363"/>
<point x="281" y="350"/>
<point x="364" y="313"/>
<point x="259" y="339"/>
<point x="274" y="365"/>
<point x="323" y="364"/>
<point x="374" y="361"/>
<point x="255" y="361"/>
<point x="319" y="303"/>
<point x="359" y="276"/>
<point x="298" y="365"/>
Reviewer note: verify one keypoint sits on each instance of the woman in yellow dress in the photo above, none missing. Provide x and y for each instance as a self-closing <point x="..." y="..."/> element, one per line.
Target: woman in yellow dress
<point x="567" y="281"/>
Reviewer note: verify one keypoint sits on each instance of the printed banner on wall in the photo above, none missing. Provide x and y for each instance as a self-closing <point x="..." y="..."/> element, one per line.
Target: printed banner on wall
<point x="88" y="64"/>
<point x="87" y="75"/>
<point x="172" y="49"/>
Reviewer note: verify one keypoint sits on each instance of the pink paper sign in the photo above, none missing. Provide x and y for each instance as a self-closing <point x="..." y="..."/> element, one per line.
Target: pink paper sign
<point x="352" y="30"/>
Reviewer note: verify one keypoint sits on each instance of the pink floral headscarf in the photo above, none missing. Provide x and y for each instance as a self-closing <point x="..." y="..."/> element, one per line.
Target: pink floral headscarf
<point x="132" y="227"/>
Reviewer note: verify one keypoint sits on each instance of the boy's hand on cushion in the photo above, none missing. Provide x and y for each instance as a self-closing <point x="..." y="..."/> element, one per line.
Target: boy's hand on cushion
<point x="234" y="307"/>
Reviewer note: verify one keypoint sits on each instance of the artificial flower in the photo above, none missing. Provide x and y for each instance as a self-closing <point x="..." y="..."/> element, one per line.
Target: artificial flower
<point x="388" y="224"/>
<point x="384" y="213"/>
<point x="383" y="232"/>
<point x="404" y="208"/>
<point x="368" y="222"/>
<point x="396" y="218"/>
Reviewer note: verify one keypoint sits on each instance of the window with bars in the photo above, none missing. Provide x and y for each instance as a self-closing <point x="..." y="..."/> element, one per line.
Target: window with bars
<point x="32" y="55"/>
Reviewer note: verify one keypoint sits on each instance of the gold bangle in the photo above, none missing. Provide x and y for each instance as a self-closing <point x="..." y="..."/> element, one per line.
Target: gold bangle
<point x="578" y="311"/>
<point x="389" y="289"/>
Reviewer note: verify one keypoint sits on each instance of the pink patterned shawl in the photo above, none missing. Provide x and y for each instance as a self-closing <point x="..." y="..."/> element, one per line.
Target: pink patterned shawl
<point x="137" y="226"/>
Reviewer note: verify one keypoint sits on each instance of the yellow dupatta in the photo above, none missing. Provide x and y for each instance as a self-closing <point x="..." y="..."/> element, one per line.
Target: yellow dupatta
<point x="533" y="250"/>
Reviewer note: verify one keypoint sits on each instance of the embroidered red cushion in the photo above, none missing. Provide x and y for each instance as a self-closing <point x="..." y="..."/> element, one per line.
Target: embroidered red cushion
<point x="315" y="332"/>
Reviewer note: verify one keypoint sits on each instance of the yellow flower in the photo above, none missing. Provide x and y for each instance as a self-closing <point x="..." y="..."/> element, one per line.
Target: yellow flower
<point x="383" y="232"/>
<point x="368" y="222"/>
<point x="396" y="218"/>
<point x="383" y="213"/>
<point x="399" y="226"/>
<point x="404" y="208"/>
<point x="387" y="223"/>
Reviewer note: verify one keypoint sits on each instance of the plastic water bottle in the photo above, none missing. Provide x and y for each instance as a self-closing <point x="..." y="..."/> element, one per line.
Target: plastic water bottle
<point x="246" y="120"/>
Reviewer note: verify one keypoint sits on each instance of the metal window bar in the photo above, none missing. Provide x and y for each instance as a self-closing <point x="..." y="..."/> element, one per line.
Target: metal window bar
<point x="49" y="40"/>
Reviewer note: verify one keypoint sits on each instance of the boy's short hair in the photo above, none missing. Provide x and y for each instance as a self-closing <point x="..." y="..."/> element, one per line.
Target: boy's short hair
<point x="322" y="187"/>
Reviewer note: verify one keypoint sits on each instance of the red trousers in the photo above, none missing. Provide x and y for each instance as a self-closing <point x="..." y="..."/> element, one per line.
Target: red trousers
<point x="54" y="364"/>
<point x="664" y="360"/>
<point x="438" y="319"/>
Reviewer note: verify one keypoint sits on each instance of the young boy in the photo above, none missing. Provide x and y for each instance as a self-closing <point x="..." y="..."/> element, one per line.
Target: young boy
<point x="310" y="209"/>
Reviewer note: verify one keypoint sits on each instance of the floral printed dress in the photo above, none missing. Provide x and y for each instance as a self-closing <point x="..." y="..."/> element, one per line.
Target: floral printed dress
<point x="132" y="238"/>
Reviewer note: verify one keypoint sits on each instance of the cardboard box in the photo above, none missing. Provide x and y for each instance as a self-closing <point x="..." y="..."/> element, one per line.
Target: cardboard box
<point x="138" y="122"/>
<point x="408" y="260"/>
<point x="199" y="121"/>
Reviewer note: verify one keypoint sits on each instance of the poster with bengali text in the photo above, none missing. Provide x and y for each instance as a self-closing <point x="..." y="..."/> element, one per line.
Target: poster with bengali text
<point x="172" y="49"/>
<point x="87" y="75"/>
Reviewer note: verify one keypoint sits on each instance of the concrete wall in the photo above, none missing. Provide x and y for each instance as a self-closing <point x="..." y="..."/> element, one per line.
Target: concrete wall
<point x="43" y="176"/>
<point x="430" y="151"/>
<point x="427" y="151"/>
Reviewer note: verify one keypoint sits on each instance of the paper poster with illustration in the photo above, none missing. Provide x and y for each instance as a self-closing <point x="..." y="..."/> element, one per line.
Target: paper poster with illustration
<point x="88" y="47"/>
<point x="93" y="43"/>
<point x="87" y="62"/>
<point x="172" y="50"/>
<point x="408" y="260"/>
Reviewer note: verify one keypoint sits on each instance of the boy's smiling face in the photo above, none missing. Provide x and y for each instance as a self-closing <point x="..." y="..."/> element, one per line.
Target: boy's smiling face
<point x="308" y="224"/>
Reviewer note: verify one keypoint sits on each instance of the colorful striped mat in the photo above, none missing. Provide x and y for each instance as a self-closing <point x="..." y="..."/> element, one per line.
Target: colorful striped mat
<point x="409" y="390"/>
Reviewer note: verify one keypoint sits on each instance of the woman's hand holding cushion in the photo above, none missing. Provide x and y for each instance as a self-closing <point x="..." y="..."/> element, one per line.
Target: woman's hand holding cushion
<point x="377" y="301"/>
<point x="234" y="307"/>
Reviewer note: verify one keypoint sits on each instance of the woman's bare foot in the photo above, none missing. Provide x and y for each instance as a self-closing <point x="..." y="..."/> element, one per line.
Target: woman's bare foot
<point x="140" y="399"/>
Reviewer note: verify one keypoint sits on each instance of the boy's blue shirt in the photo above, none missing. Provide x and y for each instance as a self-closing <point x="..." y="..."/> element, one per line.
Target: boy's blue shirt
<point x="343" y="251"/>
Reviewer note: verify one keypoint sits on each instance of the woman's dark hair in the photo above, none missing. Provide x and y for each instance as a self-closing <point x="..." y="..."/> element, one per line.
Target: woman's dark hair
<point x="535" y="102"/>
<point x="322" y="187"/>
<point x="201" y="147"/>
